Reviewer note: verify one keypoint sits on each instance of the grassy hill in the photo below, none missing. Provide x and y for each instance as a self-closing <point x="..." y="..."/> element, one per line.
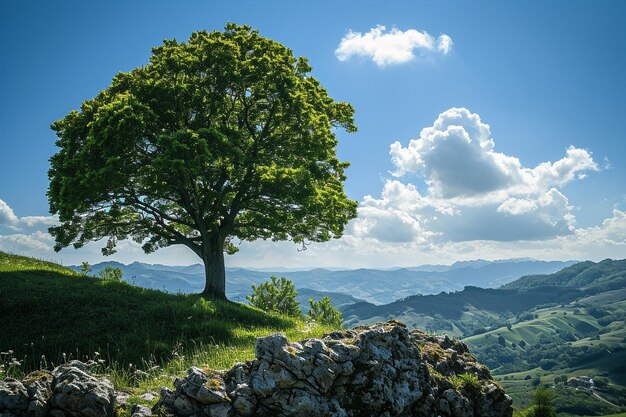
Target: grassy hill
<point x="51" y="314"/>
<point x="459" y="313"/>
<point x="585" y="337"/>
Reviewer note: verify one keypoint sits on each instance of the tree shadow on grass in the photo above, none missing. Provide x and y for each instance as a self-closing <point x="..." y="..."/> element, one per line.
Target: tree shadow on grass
<point x="49" y="313"/>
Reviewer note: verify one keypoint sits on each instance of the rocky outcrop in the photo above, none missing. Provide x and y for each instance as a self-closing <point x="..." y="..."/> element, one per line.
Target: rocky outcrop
<point x="69" y="391"/>
<point x="382" y="371"/>
<point x="379" y="371"/>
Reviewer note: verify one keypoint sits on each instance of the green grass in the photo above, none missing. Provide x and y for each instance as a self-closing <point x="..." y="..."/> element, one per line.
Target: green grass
<point x="549" y="321"/>
<point x="51" y="314"/>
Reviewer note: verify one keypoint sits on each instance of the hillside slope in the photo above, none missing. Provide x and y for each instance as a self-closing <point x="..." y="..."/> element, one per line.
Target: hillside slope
<point x="537" y="330"/>
<point x="589" y="276"/>
<point x="51" y="314"/>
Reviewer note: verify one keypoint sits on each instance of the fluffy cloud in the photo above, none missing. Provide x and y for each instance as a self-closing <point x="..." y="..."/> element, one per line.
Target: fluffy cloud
<point x="456" y="158"/>
<point x="7" y="216"/>
<point x="473" y="192"/>
<point x="34" y="244"/>
<point x="8" y="220"/>
<point x="27" y="235"/>
<point x="393" y="47"/>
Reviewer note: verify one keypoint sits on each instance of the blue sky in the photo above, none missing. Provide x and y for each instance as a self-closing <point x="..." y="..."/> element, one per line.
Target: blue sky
<point x="547" y="77"/>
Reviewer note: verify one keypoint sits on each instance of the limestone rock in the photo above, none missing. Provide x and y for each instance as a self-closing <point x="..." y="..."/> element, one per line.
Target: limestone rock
<point x="13" y="397"/>
<point x="379" y="371"/>
<point x="68" y="391"/>
<point x="76" y="393"/>
<point x="39" y="388"/>
<point x="139" y="410"/>
<point x="371" y="371"/>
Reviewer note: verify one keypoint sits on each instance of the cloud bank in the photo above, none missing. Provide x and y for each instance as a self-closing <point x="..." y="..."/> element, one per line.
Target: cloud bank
<point x="28" y="234"/>
<point x="472" y="192"/>
<point x="392" y="47"/>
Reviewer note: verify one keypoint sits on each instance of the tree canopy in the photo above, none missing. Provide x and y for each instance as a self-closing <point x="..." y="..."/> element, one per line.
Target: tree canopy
<point x="220" y="139"/>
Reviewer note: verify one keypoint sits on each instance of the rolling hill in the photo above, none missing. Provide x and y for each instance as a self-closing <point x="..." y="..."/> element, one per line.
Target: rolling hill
<point x="536" y="330"/>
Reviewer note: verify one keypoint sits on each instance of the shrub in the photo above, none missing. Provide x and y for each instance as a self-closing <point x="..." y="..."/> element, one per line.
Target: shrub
<point x="541" y="404"/>
<point x="85" y="268"/>
<point x="465" y="381"/>
<point x="278" y="295"/>
<point x="323" y="312"/>
<point x="547" y="364"/>
<point x="110" y="273"/>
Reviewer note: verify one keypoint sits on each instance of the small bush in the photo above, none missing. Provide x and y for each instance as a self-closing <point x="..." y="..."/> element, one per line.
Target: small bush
<point x="85" y="268"/>
<point x="542" y="404"/>
<point x="110" y="273"/>
<point x="466" y="382"/>
<point x="277" y="295"/>
<point x="547" y="364"/>
<point x="323" y="312"/>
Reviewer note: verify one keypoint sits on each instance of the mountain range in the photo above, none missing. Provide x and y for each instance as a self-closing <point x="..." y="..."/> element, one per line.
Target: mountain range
<point x="375" y="286"/>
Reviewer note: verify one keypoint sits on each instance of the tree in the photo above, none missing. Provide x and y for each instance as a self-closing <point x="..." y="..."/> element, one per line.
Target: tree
<point x="323" y="312"/>
<point x="277" y="295"/>
<point x="217" y="140"/>
<point x="541" y="404"/>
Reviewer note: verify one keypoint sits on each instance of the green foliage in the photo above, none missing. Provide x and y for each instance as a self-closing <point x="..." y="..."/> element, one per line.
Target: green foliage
<point x="111" y="273"/>
<point x="465" y="382"/>
<point x="542" y="404"/>
<point x="276" y="295"/>
<point x="51" y="314"/>
<point x="226" y="136"/>
<point x="547" y="364"/>
<point x="323" y="312"/>
<point x="593" y="277"/>
<point x="85" y="268"/>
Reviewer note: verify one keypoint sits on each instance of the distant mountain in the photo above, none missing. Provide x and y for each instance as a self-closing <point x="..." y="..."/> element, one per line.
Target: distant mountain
<point x="596" y="277"/>
<point x="473" y="309"/>
<point x="372" y="285"/>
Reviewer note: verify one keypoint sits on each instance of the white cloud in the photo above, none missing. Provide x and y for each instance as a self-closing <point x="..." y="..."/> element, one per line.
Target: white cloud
<point x="393" y="47"/>
<point x="473" y="192"/>
<point x="10" y="221"/>
<point x="33" y="244"/>
<point x="444" y="44"/>
<point x="7" y="216"/>
<point x="456" y="158"/>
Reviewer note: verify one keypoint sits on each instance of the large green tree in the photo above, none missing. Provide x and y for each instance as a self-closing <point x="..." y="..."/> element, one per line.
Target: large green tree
<point x="220" y="139"/>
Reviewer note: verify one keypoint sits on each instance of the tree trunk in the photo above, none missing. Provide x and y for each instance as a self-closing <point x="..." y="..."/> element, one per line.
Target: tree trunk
<point x="214" y="270"/>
